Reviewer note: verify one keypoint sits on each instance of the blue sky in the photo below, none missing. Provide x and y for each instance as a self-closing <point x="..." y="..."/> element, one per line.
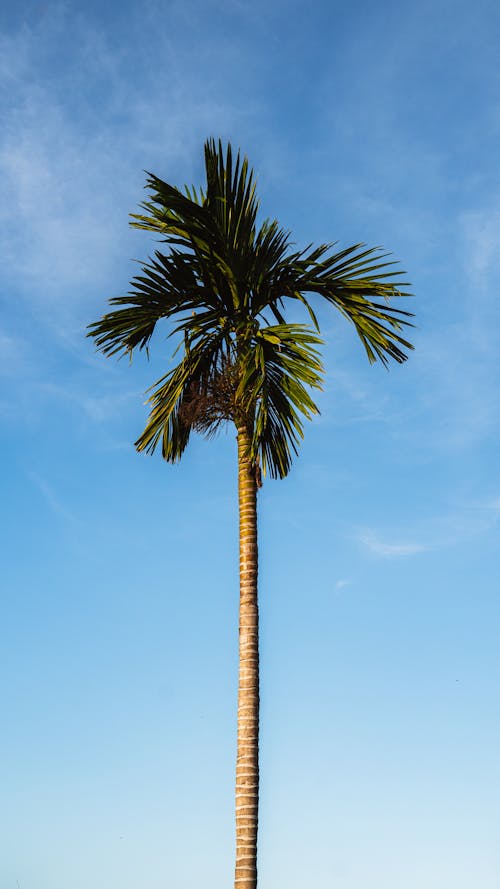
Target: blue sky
<point x="379" y="591"/>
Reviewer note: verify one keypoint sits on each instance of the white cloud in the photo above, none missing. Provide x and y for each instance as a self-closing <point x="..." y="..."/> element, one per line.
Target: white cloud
<point x="371" y="541"/>
<point x="456" y="362"/>
<point x="460" y="527"/>
<point x="74" y="144"/>
<point x="61" y="211"/>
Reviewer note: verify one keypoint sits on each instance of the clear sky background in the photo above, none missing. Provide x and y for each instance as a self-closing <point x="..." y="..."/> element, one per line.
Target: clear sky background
<point x="375" y="122"/>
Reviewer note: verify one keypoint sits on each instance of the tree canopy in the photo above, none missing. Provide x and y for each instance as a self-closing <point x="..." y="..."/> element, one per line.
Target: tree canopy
<point x="224" y="281"/>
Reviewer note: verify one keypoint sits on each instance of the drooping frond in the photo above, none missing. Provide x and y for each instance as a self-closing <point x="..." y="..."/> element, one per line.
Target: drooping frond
<point x="169" y="424"/>
<point x="361" y="285"/>
<point x="278" y="370"/>
<point x="354" y="280"/>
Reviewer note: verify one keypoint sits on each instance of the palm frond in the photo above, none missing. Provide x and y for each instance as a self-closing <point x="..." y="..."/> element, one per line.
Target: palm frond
<point x="354" y="280"/>
<point x="169" y="423"/>
<point x="278" y="369"/>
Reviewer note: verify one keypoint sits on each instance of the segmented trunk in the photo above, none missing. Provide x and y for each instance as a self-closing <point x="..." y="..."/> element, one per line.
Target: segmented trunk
<point x="247" y="762"/>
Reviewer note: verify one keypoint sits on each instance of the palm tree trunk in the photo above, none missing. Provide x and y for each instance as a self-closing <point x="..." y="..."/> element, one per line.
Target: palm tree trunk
<point x="247" y="762"/>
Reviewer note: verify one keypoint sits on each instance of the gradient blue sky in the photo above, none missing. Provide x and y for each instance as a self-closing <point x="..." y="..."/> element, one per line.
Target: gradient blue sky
<point x="379" y="554"/>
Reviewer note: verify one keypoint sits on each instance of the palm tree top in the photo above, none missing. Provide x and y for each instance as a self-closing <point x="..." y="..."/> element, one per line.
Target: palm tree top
<point x="223" y="282"/>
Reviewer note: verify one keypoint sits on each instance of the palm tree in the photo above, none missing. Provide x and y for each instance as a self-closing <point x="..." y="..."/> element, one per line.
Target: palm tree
<point x="223" y="283"/>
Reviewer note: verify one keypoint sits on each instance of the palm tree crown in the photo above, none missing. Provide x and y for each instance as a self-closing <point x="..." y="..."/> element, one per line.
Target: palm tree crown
<point x="224" y="282"/>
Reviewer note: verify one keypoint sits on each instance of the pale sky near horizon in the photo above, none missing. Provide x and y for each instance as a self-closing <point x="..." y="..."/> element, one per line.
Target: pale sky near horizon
<point x="379" y="554"/>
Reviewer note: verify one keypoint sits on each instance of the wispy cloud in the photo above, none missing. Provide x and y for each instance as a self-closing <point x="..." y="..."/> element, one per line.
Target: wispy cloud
<point x="73" y="146"/>
<point x="14" y="360"/>
<point x="52" y="499"/>
<point x="98" y="408"/>
<point x="389" y="548"/>
<point x="492" y="505"/>
<point x="459" y="363"/>
<point x="481" y="233"/>
<point x="459" y="527"/>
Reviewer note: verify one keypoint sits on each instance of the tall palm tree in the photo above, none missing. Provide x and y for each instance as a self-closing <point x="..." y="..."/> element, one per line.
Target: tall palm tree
<point x="223" y="283"/>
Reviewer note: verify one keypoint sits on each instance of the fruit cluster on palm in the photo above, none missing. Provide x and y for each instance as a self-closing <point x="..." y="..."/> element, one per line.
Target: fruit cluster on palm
<point x="223" y="281"/>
